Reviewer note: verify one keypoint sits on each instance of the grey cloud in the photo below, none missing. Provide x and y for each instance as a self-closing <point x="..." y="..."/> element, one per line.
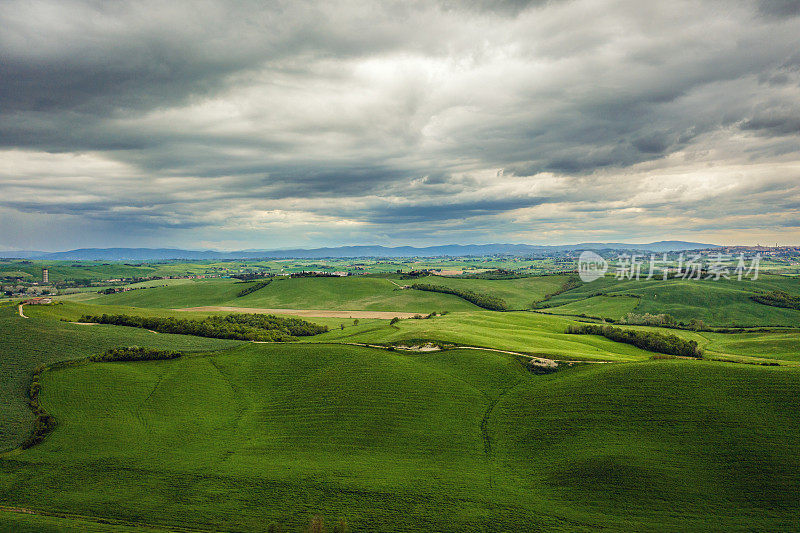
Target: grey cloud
<point x="450" y="211"/>
<point x="779" y="8"/>
<point x="395" y="112"/>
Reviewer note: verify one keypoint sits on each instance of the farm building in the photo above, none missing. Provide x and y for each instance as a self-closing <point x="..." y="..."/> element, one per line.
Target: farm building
<point x="39" y="300"/>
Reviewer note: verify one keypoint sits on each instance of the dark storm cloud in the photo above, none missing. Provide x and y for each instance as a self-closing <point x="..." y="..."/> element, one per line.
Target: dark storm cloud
<point x="386" y="116"/>
<point x="449" y="211"/>
<point x="779" y="8"/>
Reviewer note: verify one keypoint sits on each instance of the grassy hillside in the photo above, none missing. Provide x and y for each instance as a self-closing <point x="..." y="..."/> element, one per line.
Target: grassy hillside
<point x="614" y="307"/>
<point x="196" y="293"/>
<point x="27" y="343"/>
<point x="458" y="440"/>
<point x="718" y="303"/>
<point x="520" y="331"/>
<point x="527" y="332"/>
<point x="518" y="293"/>
<point x="777" y="345"/>
<point x="350" y="293"/>
<point x="638" y="442"/>
<point x="533" y="333"/>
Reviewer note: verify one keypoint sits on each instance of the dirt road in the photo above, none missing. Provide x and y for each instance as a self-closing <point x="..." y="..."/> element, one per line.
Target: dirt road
<point x="20" y="312"/>
<point x="321" y="313"/>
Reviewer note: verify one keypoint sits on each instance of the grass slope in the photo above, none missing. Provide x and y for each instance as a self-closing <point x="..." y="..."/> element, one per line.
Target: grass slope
<point x="199" y="292"/>
<point x="458" y="440"/>
<point x="520" y="293"/>
<point x="718" y="303"/>
<point x="350" y="293"/>
<point x="27" y="343"/>
<point x="614" y="307"/>
<point x="532" y="333"/>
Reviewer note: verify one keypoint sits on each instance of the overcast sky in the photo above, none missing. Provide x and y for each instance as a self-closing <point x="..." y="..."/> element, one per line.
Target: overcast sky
<point x="235" y="125"/>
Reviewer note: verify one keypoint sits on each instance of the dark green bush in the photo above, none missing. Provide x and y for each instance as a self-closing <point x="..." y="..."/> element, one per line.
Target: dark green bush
<point x="646" y="340"/>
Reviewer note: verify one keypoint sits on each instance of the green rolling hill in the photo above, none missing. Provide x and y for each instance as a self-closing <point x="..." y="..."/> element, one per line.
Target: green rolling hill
<point x="717" y="303"/>
<point x="454" y="440"/>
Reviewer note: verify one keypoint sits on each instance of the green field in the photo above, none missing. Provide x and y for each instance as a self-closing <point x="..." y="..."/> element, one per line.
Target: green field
<point x="455" y="440"/>
<point x="25" y="344"/>
<point x="614" y="307"/>
<point x="236" y="435"/>
<point x="520" y="293"/>
<point x="350" y="293"/>
<point x="717" y="303"/>
<point x="531" y="333"/>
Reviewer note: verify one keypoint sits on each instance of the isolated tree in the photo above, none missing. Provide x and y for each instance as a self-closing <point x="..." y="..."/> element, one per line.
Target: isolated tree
<point x="355" y="322"/>
<point x="394" y="321"/>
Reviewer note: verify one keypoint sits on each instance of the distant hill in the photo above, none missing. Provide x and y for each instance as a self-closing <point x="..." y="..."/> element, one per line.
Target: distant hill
<point x="450" y="250"/>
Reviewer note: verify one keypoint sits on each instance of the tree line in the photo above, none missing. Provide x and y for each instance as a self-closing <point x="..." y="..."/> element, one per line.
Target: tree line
<point x="253" y="288"/>
<point x="246" y="327"/>
<point x="646" y="340"/>
<point x="485" y="301"/>
<point x="135" y="353"/>
<point x="778" y="299"/>
<point x="43" y="422"/>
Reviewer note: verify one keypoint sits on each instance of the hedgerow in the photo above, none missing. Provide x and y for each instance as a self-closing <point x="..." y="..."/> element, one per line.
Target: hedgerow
<point x="135" y="353"/>
<point x="253" y="288"/>
<point x="646" y="340"/>
<point x="44" y="422"/>
<point x="778" y="299"/>
<point x="246" y="327"/>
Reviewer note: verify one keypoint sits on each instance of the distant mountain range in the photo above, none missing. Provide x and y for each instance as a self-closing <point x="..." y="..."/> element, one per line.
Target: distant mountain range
<point x="450" y="250"/>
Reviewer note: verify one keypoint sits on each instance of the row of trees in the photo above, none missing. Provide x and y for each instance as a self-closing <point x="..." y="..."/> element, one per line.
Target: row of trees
<point x="646" y="340"/>
<point x="571" y="282"/>
<point x="246" y="327"/>
<point x="485" y="301"/>
<point x="43" y="422"/>
<point x="253" y="288"/>
<point x="778" y="299"/>
<point x="135" y="353"/>
<point x="647" y="319"/>
<point x="499" y="273"/>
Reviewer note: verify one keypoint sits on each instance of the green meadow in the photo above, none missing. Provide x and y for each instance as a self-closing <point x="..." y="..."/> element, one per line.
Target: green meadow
<point x="349" y="293"/>
<point x="717" y="303"/>
<point x="28" y="343"/>
<point x="234" y="436"/>
<point x="454" y="440"/>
